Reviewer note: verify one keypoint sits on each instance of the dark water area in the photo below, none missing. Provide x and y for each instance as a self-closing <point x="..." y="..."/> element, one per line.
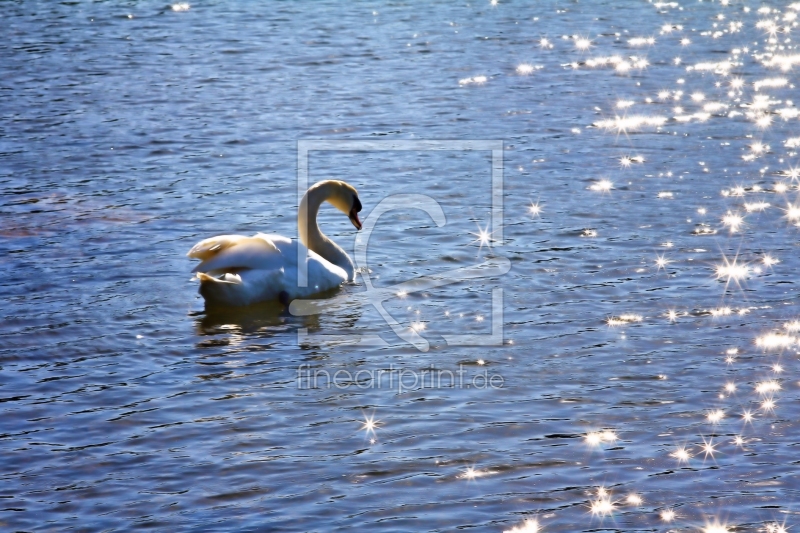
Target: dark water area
<point x="645" y="373"/>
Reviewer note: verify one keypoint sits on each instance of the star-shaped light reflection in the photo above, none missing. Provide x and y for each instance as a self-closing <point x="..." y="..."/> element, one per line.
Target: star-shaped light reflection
<point x="662" y="262"/>
<point x="484" y="237"/>
<point x="602" y="507"/>
<point x="709" y="449"/>
<point x="682" y="454"/>
<point x="733" y="220"/>
<point x="370" y="424"/>
<point x="768" y="405"/>
<point x="732" y="271"/>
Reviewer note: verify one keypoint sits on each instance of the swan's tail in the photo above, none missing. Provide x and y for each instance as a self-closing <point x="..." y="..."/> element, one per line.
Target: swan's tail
<point x="223" y="290"/>
<point x="237" y="270"/>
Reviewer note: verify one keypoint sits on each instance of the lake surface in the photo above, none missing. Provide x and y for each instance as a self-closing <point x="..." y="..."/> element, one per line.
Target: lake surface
<point x="646" y="373"/>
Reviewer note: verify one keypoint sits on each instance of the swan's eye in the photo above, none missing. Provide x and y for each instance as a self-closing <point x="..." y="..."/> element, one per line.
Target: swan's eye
<point x="356" y="204"/>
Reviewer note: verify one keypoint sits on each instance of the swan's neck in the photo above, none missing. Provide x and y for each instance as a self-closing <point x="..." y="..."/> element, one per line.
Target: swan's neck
<point x="313" y="238"/>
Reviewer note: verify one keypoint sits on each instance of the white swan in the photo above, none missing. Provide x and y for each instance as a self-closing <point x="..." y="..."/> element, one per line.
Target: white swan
<point x="238" y="270"/>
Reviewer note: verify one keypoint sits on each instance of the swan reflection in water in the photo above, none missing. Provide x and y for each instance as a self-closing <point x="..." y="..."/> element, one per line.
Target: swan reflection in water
<point x="266" y="319"/>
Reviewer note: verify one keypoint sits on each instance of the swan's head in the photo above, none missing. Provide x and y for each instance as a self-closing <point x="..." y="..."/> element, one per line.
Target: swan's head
<point x="344" y="197"/>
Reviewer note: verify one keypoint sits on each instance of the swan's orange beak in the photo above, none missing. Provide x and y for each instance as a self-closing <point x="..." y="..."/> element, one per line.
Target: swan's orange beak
<point x="353" y="216"/>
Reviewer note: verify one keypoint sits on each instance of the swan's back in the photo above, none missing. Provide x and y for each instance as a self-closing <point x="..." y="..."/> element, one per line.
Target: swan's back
<point x="239" y="270"/>
<point x="225" y="252"/>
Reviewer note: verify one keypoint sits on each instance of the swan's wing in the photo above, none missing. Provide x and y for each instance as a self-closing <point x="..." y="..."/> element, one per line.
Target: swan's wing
<point x="228" y="252"/>
<point x="321" y="274"/>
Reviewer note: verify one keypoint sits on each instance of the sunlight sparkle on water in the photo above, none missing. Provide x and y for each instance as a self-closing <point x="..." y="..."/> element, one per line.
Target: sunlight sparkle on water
<point x="767" y="387"/>
<point x="602" y="507"/>
<point x="601" y="186"/>
<point x="471" y="473"/>
<point x="768" y="405"/>
<point x="714" y="107"/>
<point x="792" y="173"/>
<point x="623" y="319"/>
<point x="751" y="207"/>
<point x="370" y="424"/>
<point x="763" y="121"/>
<point x="525" y="69"/>
<point x="595" y="438"/>
<point x="634" y="499"/>
<point x="793" y="326"/>
<point x="775" y="527"/>
<point x="773" y="341"/>
<point x="709" y="449"/>
<point x="475" y="80"/>
<point x="631" y="123"/>
<point x="667" y="515"/>
<point x="682" y="454"/>
<point x="642" y="41"/>
<point x="793" y="212"/>
<point x="529" y="526"/>
<point x="716" y="527"/>
<point x="733" y="220"/>
<point x="732" y="271"/>
<point x="662" y="262"/>
<point x="484" y="237"/>
<point x="771" y="83"/>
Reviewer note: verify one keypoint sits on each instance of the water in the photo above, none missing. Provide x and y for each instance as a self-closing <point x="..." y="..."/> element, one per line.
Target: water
<point x="131" y="130"/>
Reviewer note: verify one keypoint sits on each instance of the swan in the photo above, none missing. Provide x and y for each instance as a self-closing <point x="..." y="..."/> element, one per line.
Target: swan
<point x="238" y="270"/>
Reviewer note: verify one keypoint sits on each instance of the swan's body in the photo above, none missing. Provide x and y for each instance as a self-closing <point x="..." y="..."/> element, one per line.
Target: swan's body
<point x="238" y="270"/>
